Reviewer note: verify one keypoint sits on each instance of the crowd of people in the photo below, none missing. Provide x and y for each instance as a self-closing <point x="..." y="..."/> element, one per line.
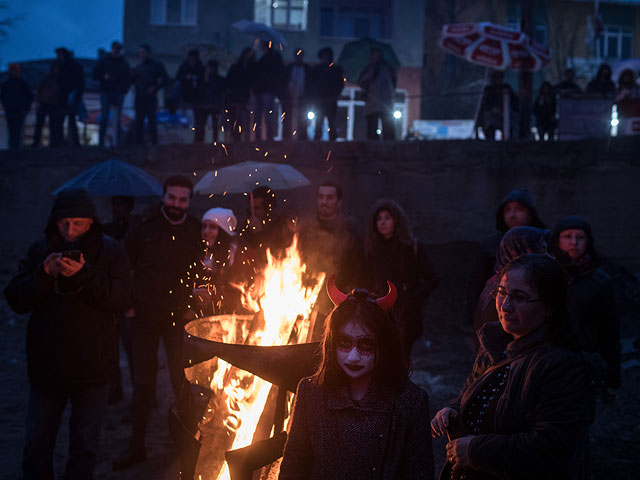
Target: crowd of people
<point x="544" y="110"/>
<point x="542" y="310"/>
<point x="243" y="101"/>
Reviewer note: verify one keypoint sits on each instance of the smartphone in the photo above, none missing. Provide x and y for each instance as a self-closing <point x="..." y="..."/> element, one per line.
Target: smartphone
<point x="72" y="254"/>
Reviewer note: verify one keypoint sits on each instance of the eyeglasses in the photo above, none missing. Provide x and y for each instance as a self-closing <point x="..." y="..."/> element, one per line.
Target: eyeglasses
<point x="517" y="299"/>
<point x="365" y="344"/>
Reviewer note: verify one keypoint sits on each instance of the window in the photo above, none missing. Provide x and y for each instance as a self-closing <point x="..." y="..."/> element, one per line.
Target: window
<point x="615" y="42"/>
<point x="282" y="14"/>
<point x="174" y="12"/>
<point x="356" y="21"/>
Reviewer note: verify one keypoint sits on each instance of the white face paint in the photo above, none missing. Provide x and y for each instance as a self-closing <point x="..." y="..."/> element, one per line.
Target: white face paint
<point x="355" y="351"/>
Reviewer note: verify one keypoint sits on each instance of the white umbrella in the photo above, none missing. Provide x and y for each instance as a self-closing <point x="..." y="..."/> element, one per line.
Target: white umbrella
<point x="261" y="31"/>
<point x="246" y="176"/>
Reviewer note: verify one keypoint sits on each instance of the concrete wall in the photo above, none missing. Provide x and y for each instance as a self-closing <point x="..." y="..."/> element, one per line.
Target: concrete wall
<point x="450" y="189"/>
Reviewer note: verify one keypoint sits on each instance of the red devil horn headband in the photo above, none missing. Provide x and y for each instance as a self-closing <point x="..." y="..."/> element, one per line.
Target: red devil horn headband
<point x="385" y="303"/>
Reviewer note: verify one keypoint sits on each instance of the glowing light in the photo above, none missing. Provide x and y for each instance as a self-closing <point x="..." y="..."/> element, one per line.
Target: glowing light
<point x="311" y="115"/>
<point x="615" y="122"/>
<point x="397" y="114"/>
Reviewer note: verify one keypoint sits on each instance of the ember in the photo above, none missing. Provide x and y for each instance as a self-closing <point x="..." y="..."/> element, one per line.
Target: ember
<point x="242" y="405"/>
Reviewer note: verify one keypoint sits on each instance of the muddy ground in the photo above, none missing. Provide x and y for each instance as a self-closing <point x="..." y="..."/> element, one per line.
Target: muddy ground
<point x="441" y="362"/>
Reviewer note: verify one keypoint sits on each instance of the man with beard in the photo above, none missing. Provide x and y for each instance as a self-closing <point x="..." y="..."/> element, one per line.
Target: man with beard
<point x="163" y="244"/>
<point x="72" y="282"/>
<point x="331" y="244"/>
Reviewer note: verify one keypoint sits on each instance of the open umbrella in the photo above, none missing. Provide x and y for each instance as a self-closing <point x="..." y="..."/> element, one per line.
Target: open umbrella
<point x="261" y="31"/>
<point x="245" y="176"/>
<point x="494" y="46"/>
<point x="114" y="177"/>
<point x="355" y="56"/>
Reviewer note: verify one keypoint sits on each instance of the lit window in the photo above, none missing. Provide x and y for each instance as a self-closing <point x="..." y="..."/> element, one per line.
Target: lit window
<point x="282" y="14"/>
<point x="174" y="12"/>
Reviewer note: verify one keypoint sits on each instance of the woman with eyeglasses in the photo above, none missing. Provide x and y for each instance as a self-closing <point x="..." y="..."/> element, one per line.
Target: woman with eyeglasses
<point x="516" y="242"/>
<point x="359" y="416"/>
<point x="590" y="298"/>
<point x="525" y="409"/>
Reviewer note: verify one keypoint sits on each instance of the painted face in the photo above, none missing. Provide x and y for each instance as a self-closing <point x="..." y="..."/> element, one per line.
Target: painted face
<point x="518" y="304"/>
<point x="327" y="202"/>
<point x="356" y="350"/>
<point x="516" y="215"/>
<point x="573" y="242"/>
<point x="72" y="228"/>
<point x="209" y="232"/>
<point x="385" y="224"/>
<point x="176" y="201"/>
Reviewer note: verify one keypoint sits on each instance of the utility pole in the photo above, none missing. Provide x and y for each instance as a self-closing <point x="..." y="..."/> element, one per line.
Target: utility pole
<point x="525" y="79"/>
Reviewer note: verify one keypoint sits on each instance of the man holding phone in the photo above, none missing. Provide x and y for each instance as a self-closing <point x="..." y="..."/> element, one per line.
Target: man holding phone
<point x="72" y="282"/>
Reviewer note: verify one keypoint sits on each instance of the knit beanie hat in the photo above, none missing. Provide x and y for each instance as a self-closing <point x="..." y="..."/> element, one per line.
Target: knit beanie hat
<point x="223" y="217"/>
<point x="73" y="203"/>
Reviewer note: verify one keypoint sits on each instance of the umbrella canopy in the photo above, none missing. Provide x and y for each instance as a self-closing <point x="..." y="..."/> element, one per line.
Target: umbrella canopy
<point x="261" y="31"/>
<point x="244" y="177"/>
<point x="494" y="46"/>
<point x="355" y="56"/>
<point x="114" y="177"/>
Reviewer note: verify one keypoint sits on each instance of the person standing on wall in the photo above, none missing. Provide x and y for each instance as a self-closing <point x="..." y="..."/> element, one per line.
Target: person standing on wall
<point x="149" y="76"/>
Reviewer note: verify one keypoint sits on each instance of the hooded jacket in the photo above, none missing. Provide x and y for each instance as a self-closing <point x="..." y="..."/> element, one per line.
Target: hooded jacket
<point x="590" y="299"/>
<point x="485" y="264"/>
<point x="72" y="333"/>
<point x="119" y="73"/>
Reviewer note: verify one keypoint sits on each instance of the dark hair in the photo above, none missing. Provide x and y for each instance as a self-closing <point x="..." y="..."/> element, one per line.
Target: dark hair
<point x="213" y="63"/>
<point x="549" y="280"/>
<point x="193" y="53"/>
<point x="602" y="68"/>
<point x="268" y="195"/>
<point x="329" y="183"/>
<point x="392" y="365"/>
<point x="326" y="51"/>
<point x="178" y="181"/>
<point x="127" y="200"/>
<point x="145" y="46"/>
<point x="402" y="229"/>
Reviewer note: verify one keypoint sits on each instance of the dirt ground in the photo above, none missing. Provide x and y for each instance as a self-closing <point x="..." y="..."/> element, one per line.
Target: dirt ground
<point x="441" y="362"/>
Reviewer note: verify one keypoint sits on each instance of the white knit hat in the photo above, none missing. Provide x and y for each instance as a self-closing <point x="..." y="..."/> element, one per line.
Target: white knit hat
<point x="223" y="217"/>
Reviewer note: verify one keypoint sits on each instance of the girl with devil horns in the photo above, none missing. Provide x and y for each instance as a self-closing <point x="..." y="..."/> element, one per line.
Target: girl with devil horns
<point x="359" y="416"/>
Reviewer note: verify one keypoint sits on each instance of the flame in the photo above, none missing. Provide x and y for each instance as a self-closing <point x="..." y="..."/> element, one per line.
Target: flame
<point x="286" y="300"/>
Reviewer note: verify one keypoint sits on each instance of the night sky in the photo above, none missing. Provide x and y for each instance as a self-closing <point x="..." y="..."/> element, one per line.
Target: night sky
<point x="82" y="26"/>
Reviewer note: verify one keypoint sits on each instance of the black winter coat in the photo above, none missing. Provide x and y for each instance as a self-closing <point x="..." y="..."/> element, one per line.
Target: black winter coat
<point x="409" y="268"/>
<point x="118" y="71"/>
<point x="72" y="334"/>
<point x="149" y="74"/>
<point x="592" y="310"/>
<point x="162" y="254"/>
<point x="239" y="81"/>
<point x="16" y="96"/>
<point x="324" y="83"/>
<point x="190" y="78"/>
<point x="542" y="417"/>
<point x="383" y="436"/>
<point x="269" y="74"/>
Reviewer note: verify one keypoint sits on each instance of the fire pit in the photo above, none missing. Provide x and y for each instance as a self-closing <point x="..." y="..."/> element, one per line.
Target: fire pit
<point x="242" y="371"/>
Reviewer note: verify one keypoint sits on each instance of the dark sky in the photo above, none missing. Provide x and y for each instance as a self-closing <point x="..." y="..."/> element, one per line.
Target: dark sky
<point x="81" y="25"/>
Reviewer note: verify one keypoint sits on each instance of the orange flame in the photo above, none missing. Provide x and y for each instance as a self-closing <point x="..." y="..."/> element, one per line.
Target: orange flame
<point x="287" y="301"/>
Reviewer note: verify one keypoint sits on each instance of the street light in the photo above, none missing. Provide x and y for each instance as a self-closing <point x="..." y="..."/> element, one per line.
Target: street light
<point x="397" y="114"/>
<point x="311" y="115"/>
